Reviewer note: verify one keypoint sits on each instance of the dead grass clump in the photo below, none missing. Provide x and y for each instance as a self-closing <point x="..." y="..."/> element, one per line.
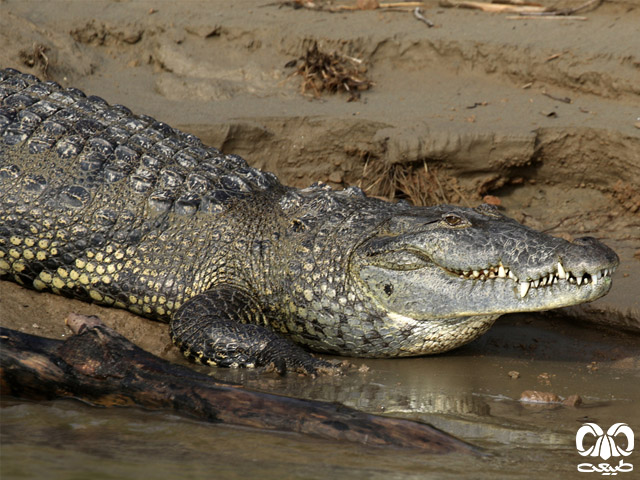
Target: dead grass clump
<point x="332" y="73"/>
<point x="418" y="184"/>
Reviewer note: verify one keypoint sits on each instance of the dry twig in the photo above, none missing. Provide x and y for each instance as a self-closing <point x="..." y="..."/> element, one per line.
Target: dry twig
<point x="418" y="14"/>
<point x="360" y="5"/>
<point x="559" y="99"/>
<point x="492" y="7"/>
<point x="524" y="9"/>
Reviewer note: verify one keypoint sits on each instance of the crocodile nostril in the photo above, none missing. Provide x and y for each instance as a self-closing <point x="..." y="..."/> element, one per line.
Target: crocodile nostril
<point x="585" y="241"/>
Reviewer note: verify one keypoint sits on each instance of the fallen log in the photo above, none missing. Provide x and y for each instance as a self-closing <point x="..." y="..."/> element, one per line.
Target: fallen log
<point x="99" y="366"/>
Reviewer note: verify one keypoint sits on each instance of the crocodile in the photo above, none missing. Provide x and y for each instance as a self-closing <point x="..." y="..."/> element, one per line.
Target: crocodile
<point x="104" y="205"/>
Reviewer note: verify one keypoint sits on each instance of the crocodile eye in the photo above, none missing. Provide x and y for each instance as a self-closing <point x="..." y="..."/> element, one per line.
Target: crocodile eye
<point x="388" y="289"/>
<point x="453" y="220"/>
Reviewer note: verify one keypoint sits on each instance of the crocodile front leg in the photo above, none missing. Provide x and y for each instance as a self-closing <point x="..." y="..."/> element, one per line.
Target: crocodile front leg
<point x="224" y="327"/>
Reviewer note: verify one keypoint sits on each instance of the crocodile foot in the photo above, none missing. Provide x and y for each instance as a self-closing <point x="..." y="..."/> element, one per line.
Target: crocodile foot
<point x="208" y="331"/>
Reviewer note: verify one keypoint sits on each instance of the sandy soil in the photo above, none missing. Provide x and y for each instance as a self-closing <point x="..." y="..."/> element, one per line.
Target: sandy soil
<point x="544" y="115"/>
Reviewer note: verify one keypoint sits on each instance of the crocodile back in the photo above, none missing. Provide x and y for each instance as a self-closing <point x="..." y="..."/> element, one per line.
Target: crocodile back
<point x="88" y="184"/>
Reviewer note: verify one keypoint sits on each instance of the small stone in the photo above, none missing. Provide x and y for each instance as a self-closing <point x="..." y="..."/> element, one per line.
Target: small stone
<point x="336" y="177"/>
<point x="572" y="401"/>
<point x="533" y="396"/>
<point x="514" y="375"/>
<point x="545" y="378"/>
<point x="492" y="200"/>
<point x="364" y="368"/>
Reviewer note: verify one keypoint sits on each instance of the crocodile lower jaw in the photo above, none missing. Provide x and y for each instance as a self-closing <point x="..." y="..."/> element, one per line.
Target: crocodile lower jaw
<point x="525" y="285"/>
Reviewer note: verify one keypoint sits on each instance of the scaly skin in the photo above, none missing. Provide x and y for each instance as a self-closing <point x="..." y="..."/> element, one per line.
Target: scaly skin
<point x="100" y="204"/>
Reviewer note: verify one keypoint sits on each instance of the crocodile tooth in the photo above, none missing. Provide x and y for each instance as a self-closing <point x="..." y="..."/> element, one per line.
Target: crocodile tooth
<point x="572" y="280"/>
<point x="536" y="284"/>
<point x="512" y="276"/>
<point x="595" y="278"/>
<point x="561" y="273"/>
<point x="501" y="272"/>
<point x="476" y="273"/>
<point x="579" y="279"/>
<point x="543" y="281"/>
<point x="486" y="271"/>
<point x="524" y="288"/>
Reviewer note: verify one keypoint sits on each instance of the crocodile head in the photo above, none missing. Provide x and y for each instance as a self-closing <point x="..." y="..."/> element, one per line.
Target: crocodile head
<point x="453" y="268"/>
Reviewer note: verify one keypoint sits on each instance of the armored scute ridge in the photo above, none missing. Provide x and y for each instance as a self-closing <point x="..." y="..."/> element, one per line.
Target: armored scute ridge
<point x="100" y="204"/>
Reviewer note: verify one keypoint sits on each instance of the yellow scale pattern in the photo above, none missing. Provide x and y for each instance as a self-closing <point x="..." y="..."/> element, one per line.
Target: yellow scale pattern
<point x="96" y="270"/>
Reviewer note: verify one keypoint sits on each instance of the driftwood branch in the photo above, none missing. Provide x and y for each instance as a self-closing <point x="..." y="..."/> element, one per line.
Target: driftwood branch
<point x="492" y="7"/>
<point x="522" y="8"/>
<point x="360" y="5"/>
<point x="101" y="367"/>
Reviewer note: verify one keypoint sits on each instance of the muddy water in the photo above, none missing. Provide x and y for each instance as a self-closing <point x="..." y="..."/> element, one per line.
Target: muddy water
<point x="468" y="392"/>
